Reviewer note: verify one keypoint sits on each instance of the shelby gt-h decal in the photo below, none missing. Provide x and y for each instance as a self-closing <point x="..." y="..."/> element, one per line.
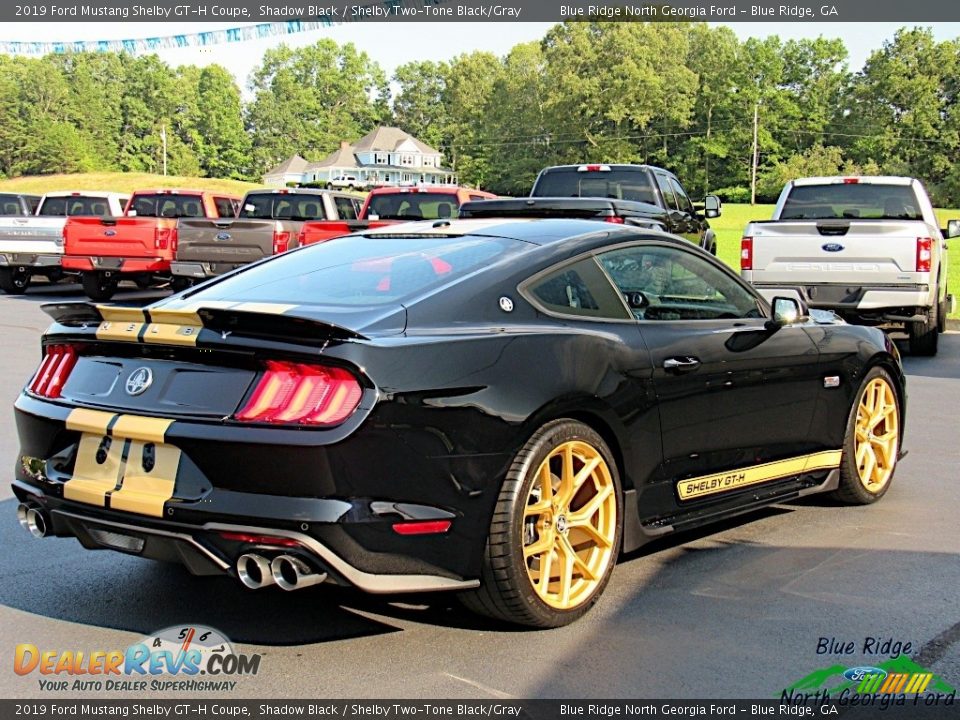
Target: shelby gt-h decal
<point x="363" y="412"/>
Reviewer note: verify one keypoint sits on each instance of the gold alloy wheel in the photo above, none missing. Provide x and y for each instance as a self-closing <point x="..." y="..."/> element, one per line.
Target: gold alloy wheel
<point x="877" y="437"/>
<point x="569" y="525"/>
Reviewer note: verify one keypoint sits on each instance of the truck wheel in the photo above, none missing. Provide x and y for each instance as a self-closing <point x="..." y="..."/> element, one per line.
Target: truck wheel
<point x="98" y="286"/>
<point x="924" y="335"/>
<point x="329" y="186"/>
<point x="144" y="282"/>
<point x="14" y="282"/>
<point x="179" y="283"/>
<point x="555" y="532"/>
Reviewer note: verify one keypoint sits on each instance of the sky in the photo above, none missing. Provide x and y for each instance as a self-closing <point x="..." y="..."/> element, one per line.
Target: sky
<point x="393" y="44"/>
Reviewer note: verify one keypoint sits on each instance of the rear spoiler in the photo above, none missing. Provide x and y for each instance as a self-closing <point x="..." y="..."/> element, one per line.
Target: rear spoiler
<point x="181" y="326"/>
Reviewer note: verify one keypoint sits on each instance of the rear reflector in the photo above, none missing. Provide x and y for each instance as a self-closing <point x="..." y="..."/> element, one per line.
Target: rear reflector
<point x="259" y="539"/>
<point x="300" y="394"/>
<point x="924" y="254"/>
<point x="54" y="370"/>
<point x="746" y="253"/>
<point x="422" y="527"/>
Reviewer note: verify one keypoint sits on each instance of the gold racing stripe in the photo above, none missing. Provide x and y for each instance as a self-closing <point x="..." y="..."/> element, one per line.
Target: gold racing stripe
<point x="143" y="491"/>
<point x="743" y="477"/>
<point x="89" y="421"/>
<point x="120" y="324"/>
<point x="91" y="480"/>
<point x="138" y="427"/>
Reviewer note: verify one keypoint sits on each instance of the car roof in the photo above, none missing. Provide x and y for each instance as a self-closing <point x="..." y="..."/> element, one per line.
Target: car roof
<point x="442" y="189"/>
<point x="86" y="193"/>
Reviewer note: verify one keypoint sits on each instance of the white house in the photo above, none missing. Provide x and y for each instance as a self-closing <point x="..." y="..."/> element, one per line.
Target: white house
<point x="385" y="156"/>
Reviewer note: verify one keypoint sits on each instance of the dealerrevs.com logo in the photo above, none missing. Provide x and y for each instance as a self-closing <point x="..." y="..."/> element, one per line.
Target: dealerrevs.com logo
<point x="172" y="659"/>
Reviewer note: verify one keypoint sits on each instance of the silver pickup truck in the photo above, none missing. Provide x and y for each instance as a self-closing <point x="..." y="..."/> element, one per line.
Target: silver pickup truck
<point x="268" y="222"/>
<point x="33" y="245"/>
<point x="868" y="248"/>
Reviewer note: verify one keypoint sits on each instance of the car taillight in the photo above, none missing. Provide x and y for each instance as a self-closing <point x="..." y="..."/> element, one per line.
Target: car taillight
<point x="54" y="370"/>
<point x="165" y="237"/>
<point x="746" y="253"/>
<point x="281" y="241"/>
<point x="296" y="393"/>
<point x="924" y="254"/>
<point x="614" y="219"/>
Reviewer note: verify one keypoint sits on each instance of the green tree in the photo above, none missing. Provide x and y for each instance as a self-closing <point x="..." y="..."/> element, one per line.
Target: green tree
<point x="418" y="106"/>
<point x="220" y="139"/>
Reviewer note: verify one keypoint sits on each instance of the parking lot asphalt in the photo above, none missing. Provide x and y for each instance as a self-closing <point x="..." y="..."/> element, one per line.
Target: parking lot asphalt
<point x="736" y="611"/>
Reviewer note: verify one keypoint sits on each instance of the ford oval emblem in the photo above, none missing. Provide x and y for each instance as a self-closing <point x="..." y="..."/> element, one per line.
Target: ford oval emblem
<point x="109" y="233"/>
<point x="139" y="380"/>
<point x="857" y="674"/>
<point x="223" y="236"/>
<point x="832" y="247"/>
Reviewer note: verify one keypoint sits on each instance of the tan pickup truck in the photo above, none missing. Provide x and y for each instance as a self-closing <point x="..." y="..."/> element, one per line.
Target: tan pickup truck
<point x="268" y="223"/>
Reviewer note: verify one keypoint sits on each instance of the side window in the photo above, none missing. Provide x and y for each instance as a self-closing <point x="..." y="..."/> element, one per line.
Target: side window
<point x="666" y="283"/>
<point x="225" y="207"/>
<point x="682" y="199"/>
<point x="580" y="289"/>
<point x="663" y="182"/>
<point x="346" y="207"/>
<point x="34" y="203"/>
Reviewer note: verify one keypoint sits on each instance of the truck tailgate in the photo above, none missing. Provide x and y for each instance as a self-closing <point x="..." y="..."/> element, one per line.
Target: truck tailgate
<point x="861" y="252"/>
<point x="115" y="237"/>
<point x="227" y="240"/>
<point x="32" y="235"/>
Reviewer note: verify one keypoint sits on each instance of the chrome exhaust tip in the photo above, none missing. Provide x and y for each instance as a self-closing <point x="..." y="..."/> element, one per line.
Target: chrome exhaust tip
<point x="292" y="573"/>
<point x="32" y="520"/>
<point x="254" y="571"/>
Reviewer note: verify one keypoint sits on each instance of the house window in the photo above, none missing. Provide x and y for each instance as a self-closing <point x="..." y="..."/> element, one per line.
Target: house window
<point x="380" y="158"/>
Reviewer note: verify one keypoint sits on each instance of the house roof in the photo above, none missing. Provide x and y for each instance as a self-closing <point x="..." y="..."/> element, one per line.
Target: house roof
<point x="294" y="164"/>
<point x="387" y="138"/>
<point x="342" y="157"/>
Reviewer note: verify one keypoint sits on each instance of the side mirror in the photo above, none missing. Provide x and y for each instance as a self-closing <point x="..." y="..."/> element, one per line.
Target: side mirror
<point x="787" y="311"/>
<point x="712" y="206"/>
<point x="953" y="228"/>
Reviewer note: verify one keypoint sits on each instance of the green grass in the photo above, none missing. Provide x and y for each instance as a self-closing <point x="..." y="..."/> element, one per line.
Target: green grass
<point x="119" y="182"/>
<point x="730" y="225"/>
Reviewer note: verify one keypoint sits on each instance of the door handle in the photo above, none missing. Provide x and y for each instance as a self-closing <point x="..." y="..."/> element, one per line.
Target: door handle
<point x="681" y="364"/>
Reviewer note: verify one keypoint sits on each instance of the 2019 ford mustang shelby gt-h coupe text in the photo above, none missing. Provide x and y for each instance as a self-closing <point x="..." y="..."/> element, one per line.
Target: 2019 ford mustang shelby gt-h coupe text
<point x="492" y="407"/>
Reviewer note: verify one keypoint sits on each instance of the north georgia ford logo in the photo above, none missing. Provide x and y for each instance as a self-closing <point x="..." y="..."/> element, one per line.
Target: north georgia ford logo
<point x="139" y="380"/>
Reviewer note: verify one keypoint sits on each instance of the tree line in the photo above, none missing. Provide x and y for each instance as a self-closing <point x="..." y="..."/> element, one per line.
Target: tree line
<point x="680" y="95"/>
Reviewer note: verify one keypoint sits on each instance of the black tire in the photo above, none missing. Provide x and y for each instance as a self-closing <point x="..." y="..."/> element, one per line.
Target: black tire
<point x="98" y="286"/>
<point x="180" y="283"/>
<point x="852" y="489"/>
<point x="506" y="589"/>
<point x="329" y="186"/>
<point x="14" y="281"/>
<point x="143" y="282"/>
<point x="924" y="336"/>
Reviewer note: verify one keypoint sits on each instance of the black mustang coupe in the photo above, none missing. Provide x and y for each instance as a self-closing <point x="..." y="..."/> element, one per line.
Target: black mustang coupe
<point x="493" y="407"/>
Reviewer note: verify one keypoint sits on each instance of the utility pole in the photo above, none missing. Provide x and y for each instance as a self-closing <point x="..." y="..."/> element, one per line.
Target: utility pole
<point x="163" y="137"/>
<point x="753" y="165"/>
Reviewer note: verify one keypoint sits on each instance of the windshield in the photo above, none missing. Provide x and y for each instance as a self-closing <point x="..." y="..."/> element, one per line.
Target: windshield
<point x="413" y="206"/>
<point x="851" y="201"/>
<point x="168" y="206"/>
<point x="633" y="185"/>
<point x="356" y="270"/>
<point x="280" y="206"/>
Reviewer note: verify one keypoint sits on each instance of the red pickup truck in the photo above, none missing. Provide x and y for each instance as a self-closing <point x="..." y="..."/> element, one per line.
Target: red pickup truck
<point x="391" y="205"/>
<point x="139" y="245"/>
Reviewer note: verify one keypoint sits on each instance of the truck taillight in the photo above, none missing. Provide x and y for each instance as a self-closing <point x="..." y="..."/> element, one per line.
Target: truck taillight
<point x="614" y="219"/>
<point x="281" y="241"/>
<point x="301" y="394"/>
<point x="924" y="254"/>
<point x="164" y="238"/>
<point x="746" y="253"/>
<point x="302" y="237"/>
<point x="56" y="366"/>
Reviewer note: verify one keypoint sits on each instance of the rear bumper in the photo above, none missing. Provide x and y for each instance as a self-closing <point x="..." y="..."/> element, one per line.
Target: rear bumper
<point x="202" y="270"/>
<point x="896" y="303"/>
<point x="121" y="265"/>
<point x="29" y="260"/>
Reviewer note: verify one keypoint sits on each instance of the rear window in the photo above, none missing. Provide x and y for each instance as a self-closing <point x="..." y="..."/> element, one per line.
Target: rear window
<point x="413" y="206"/>
<point x="10" y="205"/>
<point x="168" y="206"/>
<point x="70" y="205"/>
<point x="279" y="206"/>
<point x="620" y="184"/>
<point x="357" y="271"/>
<point x="226" y="207"/>
<point x="851" y="201"/>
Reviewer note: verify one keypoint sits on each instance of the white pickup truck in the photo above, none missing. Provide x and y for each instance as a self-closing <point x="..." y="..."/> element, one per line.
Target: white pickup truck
<point x="868" y="248"/>
<point x="33" y="245"/>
